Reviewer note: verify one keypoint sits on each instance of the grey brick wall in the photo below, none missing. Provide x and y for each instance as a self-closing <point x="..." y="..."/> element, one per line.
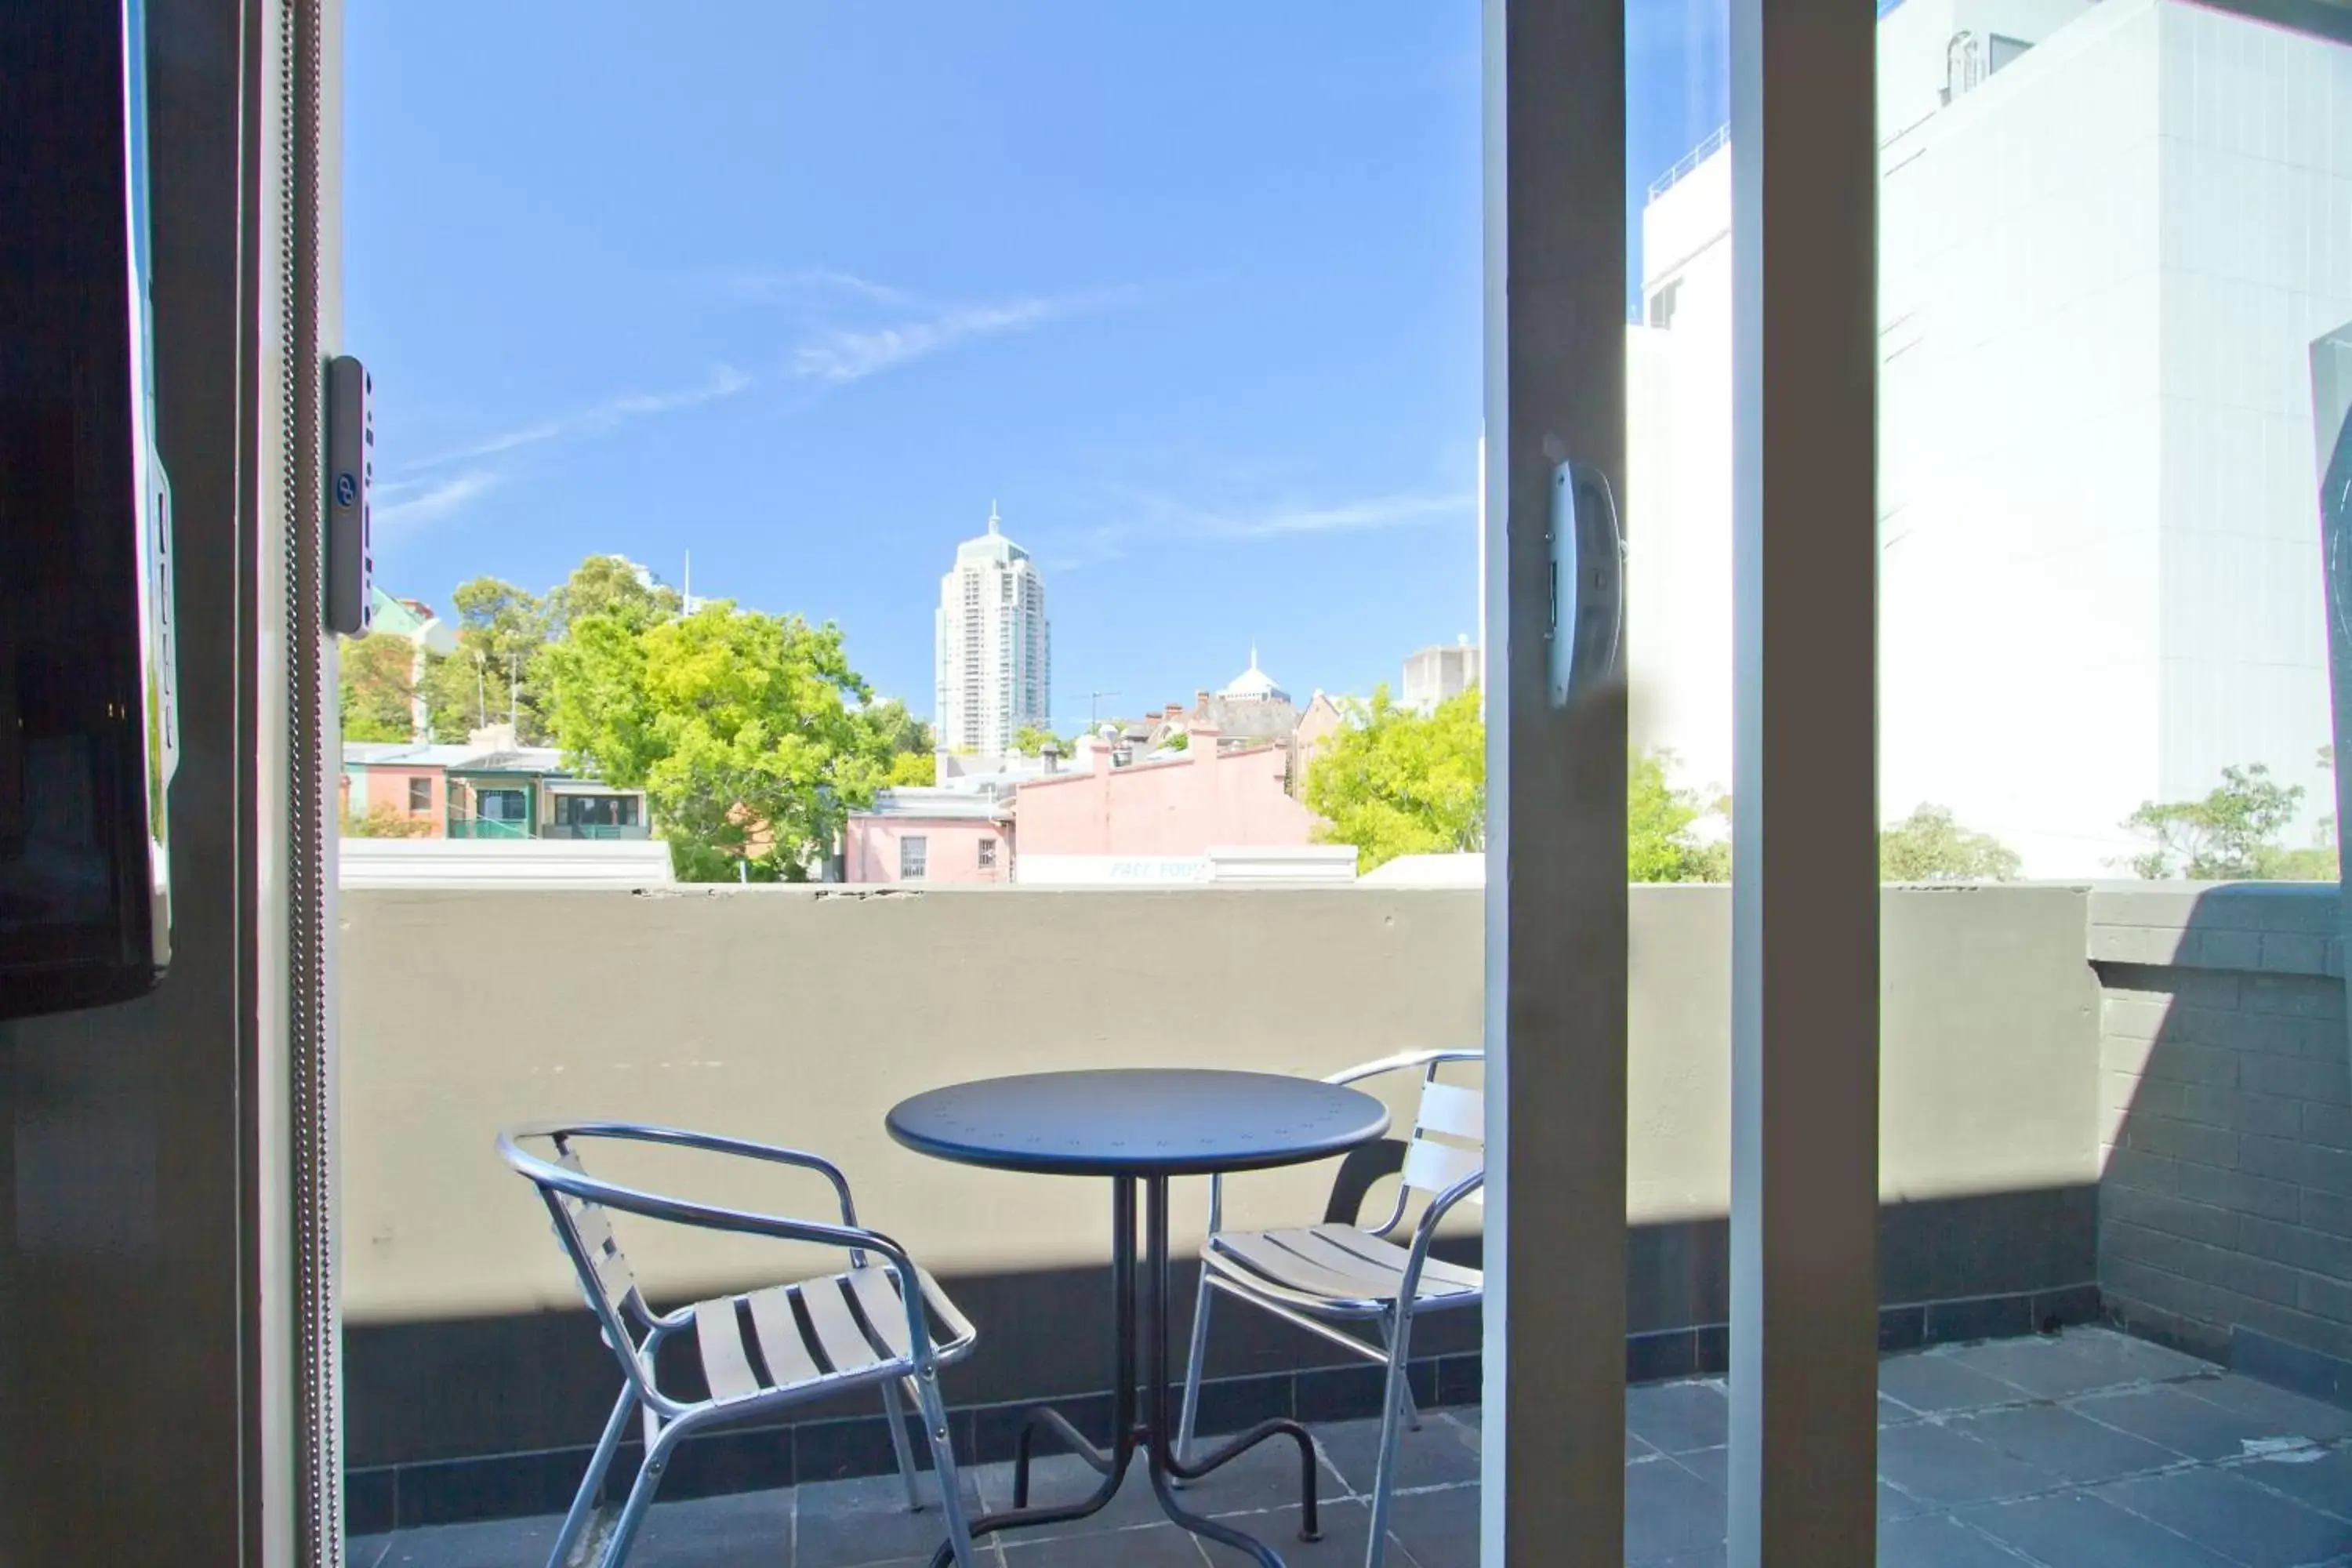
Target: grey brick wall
<point x="2225" y="1115"/>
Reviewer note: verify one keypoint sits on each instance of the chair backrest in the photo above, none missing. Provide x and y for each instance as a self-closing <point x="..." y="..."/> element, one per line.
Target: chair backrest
<point x="606" y="1274"/>
<point x="600" y="1268"/>
<point x="1449" y="1134"/>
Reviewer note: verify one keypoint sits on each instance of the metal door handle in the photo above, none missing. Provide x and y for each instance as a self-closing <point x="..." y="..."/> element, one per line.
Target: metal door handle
<point x="1588" y="582"/>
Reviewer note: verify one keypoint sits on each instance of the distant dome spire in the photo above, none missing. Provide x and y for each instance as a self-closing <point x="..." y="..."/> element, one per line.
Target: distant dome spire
<point x="1254" y="685"/>
<point x="992" y="519"/>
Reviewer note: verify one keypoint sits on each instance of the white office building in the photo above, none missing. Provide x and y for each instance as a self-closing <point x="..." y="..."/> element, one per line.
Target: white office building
<point x="994" y="653"/>
<point x="1437" y="673"/>
<point x="2110" y="233"/>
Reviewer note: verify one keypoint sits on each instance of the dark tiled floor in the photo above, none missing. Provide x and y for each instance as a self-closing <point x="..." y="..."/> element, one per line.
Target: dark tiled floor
<point x="2076" y="1452"/>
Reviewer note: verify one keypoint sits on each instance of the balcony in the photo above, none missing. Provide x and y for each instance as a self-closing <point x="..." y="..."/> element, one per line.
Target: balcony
<point x="487" y="828"/>
<point x="483" y="828"/>
<point x="2063" y="1450"/>
<point x="595" y="832"/>
<point x="2117" y="1113"/>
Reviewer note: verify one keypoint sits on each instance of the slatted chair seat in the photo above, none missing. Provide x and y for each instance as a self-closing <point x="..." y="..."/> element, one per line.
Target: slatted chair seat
<point x="1337" y="1268"/>
<point x="814" y="1332"/>
<point x="758" y="1350"/>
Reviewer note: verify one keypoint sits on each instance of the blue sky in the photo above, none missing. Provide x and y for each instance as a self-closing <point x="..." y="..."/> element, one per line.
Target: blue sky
<point x="1192" y="294"/>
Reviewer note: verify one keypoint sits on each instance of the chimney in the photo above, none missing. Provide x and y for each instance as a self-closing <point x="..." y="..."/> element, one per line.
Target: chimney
<point x="1175" y="710"/>
<point x="1200" y="702"/>
<point x="1049" y="758"/>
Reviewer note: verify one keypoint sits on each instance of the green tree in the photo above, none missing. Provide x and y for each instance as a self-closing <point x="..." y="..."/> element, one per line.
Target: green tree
<point x="1395" y="782"/>
<point x="914" y="769"/>
<point x="1180" y="740"/>
<point x="378" y="686"/>
<point x="1929" y="846"/>
<point x="1031" y="738"/>
<point x="2232" y="832"/>
<point x="742" y="729"/>
<point x="501" y="630"/>
<point x="898" y="729"/>
<point x="610" y="585"/>
<point x="1663" y="843"/>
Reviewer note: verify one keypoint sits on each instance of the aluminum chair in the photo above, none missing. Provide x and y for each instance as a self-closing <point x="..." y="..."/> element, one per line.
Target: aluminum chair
<point x="883" y="1323"/>
<point x="1320" y="1277"/>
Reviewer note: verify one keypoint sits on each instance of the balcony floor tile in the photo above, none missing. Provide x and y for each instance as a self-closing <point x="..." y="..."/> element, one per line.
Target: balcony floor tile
<point x="2017" y="1458"/>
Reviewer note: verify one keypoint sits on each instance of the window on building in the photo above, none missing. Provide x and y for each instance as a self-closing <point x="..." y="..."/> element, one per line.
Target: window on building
<point x="2003" y="50"/>
<point x="914" y="856"/>
<point x="420" y="794"/>
<point x="1662" y="304"/>
<point x="501" y="805"/>
<point x="988" y="854"/>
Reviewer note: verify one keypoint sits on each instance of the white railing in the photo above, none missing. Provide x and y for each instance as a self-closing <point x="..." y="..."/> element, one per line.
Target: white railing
<point x="1690" y="161"/>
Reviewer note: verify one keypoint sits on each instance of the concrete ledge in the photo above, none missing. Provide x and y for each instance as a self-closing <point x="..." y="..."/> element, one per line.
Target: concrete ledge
<point x="2275" y="928"/>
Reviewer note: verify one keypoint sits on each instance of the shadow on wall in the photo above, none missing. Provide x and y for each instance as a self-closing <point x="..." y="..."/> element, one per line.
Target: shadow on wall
<point x="486" y="1417"/>
<point x="2225" y="1208"/>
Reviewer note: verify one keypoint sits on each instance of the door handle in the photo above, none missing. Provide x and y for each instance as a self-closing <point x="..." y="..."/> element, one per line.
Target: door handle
<point x="1586" y="632"/>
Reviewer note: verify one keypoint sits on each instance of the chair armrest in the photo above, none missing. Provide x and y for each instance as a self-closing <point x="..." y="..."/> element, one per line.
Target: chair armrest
<point x="711" y="1142"/>
<point x="856" y="1239"/>
<point x="1404" y="1059"/>
<point x="1426" y="1232"/>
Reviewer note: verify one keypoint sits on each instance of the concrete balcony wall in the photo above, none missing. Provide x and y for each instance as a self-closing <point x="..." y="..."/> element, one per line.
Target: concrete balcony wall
<point x="799" y="1015"/>
<point x="2226" y="1124"/>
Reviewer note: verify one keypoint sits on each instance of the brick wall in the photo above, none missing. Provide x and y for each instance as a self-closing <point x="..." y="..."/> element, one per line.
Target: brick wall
<point x="2225" y="1206"/>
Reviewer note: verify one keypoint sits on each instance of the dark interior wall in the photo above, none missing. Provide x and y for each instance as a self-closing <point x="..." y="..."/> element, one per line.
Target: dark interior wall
<point x="121" y="1417"/>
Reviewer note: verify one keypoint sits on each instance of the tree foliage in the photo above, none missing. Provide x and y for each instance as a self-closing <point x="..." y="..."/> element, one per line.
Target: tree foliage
<point x="384" y="821"/>
<point x="1929" y="846"/>
<point x="610" y="585"/>
<point x="918" y="770"/>
<point x="1394" y="782"/>
<point x="2232" y="832"/>
<point x="1031" y="738"/>
<point x="378" y="688"/>
<point x="501" y="630"/>
<point x="744" y="729"/>
<point x="1664" y="841"/>
<point x="899" y="731"/>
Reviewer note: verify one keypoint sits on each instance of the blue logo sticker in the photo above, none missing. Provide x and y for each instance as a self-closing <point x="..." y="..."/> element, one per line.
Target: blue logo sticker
<point x="347" y="489"/>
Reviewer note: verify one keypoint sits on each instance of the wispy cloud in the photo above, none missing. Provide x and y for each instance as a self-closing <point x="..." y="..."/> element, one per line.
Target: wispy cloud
<point x="1162" y="518"/>
<point x="1410" y="508"/>
<point x="845" y="354"/>
<point x="810" y="286"/>
<point x="428" y="501"/>
<point x="723" y="382"/>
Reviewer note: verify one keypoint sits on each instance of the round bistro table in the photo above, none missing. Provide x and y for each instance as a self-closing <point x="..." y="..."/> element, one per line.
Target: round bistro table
<point x="1140" y="1127"/>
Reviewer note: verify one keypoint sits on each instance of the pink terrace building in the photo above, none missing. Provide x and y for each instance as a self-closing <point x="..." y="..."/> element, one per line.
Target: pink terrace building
<point x="929" y="836"/>
<point x="1169" y="805"/>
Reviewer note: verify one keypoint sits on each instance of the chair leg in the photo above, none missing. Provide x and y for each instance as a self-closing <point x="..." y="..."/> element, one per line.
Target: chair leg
<point x="894" y="1405"/>
<point x="591" y="1485"/>
<point x="1192" y="1365"/>
<point x="1396" y="1398"/>
<point x="641" y="1495"/>
<point x="1411" y="1406"/>
<point x="935" y="1425"/>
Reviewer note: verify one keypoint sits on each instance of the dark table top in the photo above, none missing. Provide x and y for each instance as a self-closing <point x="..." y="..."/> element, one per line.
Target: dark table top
<point x="1150" y="1121"/>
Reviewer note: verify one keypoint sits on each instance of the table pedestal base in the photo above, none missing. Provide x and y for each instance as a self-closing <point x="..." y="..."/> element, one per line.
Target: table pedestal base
<point x="1149" y="1435"/>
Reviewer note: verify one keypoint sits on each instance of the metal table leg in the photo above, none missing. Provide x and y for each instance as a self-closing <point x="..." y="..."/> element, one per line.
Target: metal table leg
<point x="1161" y="1445"/>
<point x="1153" y="1433"/>
<point x="1125" y="1432"/>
